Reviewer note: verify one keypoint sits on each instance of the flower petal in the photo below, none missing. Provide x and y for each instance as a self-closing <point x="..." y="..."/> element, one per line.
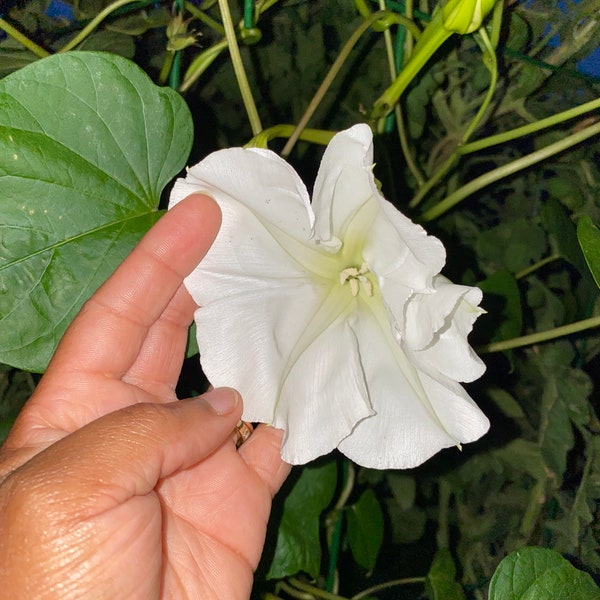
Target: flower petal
<point x="415" y="415"/>
<point x="399" y="249"/>
<point x="427" y="313"/>
<point x="261" y="180"/>
<point x="448" y="352"/>
<point x="324" y="395"/>
<point x="343" y="184"/>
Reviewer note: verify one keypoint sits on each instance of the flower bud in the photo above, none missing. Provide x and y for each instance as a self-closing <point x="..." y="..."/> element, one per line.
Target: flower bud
<point x="178" y="35"/>
<point x="465" y="16"/>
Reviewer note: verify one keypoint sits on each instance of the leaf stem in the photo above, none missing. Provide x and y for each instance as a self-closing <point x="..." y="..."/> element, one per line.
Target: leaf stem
<point x="238" y="67"/>
<point x="509" y="169"/>
<point x="388" y="584"/>
<point x="333" y="71"/>
<point x="530" y="128"/>
<point x="542" y="336"/>
<point x="85" y="32"/>
<point x="206" y="19"/>
<point x="315" y="591"/>
<point x="23" y="39"/>
<point x="315" y="136"/>
<point x="491" y="61"/>
<point x="200" y="64"/>
<point x="349" y="476"/>
<point x="538" y="265"/>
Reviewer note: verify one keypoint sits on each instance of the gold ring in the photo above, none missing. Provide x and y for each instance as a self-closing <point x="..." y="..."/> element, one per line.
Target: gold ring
<point x="242" y="432"/>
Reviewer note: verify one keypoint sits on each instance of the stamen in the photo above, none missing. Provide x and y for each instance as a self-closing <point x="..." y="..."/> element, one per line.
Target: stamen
<point x="357" y="278"/>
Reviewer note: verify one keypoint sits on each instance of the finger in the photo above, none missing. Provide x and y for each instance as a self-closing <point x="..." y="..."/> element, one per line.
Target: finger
<point x="126" y="453"/>
<point x="262" y="453"/>
<point x="109" y="331"/>
<point x="158" y="364"/>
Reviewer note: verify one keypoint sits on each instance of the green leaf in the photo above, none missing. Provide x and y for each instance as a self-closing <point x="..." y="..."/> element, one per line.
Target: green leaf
<point x="563" y="232"/>
<point x="441" y="581"/>
<point x="87" y="144"/>
<point x="540" y="574"/>
<point x="365" y="529"/>
<point x="589" y="240"/>
<point x="298" y="546"/>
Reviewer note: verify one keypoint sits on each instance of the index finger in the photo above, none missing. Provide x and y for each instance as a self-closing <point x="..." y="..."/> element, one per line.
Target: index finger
<point x="109" y="331"/>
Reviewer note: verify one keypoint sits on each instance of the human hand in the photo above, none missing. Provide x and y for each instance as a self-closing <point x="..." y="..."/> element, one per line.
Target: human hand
<point x="108" y="487"/>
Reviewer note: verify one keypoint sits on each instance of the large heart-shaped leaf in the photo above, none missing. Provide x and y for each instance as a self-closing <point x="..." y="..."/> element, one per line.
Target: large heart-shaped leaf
<point x="540" y="574"/>
<point x="87" y="143"/>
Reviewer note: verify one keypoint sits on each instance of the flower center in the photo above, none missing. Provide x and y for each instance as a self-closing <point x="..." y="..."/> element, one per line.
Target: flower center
<point x="357" y="279"/>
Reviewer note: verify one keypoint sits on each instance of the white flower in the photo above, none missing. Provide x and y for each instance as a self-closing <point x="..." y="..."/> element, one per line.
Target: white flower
<point x="332" y="320"/>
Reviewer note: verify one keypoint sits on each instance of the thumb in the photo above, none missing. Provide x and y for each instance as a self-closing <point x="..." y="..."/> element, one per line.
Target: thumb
<point x="125" y="453"/>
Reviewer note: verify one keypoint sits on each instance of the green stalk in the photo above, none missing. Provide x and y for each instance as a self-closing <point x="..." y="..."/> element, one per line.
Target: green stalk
<point x="348" y="479"/>
<point x="238" y="67"/>
<point x="204" y="18"/>
<point x="530" y="128"/>
<point x="166" y="68"/>
<point x="542" y="336"/>
<point x="509" y="169"/>
<point x="538" y="265"/>
<point x="315" y="591"/>
<point x="83" y="34"/>
<point x="434" y="35"/>
<point x="175" y="72"/>
<point x="265" y="5"/>
<point x="315" y="136"/>
<point x="200" y="64"/>
<point x="335" y="69"/>
<point x="388" y="584"/>
<point x="23" y="39"/>
<point x="404" y="46"/>
<point x="490" y="54"/>
<point x="248" y="14"/>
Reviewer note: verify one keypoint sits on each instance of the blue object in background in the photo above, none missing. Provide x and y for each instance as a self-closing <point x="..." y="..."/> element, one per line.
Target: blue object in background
<point x="590" y="65"/>
<point x="59" y="10"/>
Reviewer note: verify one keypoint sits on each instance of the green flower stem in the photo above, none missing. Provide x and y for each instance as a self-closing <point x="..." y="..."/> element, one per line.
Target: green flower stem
<point x="238" y="67"/>
<point x="293" y="592"/>
<point x="248" y="13"/>
<point x="508" y="169"/>
<point x="335" y="69"/>
<point x="507" y="136"/>
<point x="434" y="35"/>
<point x="206" y="19"/>
<point x="403" y="50"/>
<point x="175" y="72"/>
<point x="166" y="68"/>
<point x="23" y="39"/>
<point x="491" y="61"/>
<point x="200" y="64"/>
<point x="542" y="336"/>
<point x="349" y="478"/>
<point x="388" y="584"/>
<point x="496" y="24"/>
<point x="85" y="32"/>
<point x="315" y="591"/>
<point x="315" y="136"/>
<point x="538" y="265"/>
<point x="265" y="5"/>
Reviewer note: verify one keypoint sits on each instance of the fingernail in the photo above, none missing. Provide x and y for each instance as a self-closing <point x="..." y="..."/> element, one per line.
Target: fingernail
<point x="222" y="400"/>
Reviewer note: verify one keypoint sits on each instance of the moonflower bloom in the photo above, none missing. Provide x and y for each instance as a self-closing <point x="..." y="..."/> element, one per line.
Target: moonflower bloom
<point x="332" y="319"/>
